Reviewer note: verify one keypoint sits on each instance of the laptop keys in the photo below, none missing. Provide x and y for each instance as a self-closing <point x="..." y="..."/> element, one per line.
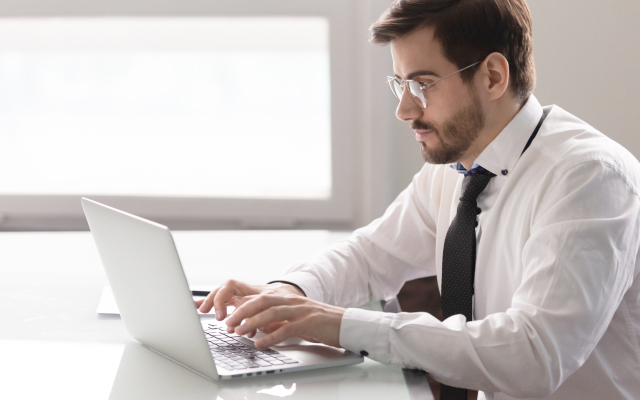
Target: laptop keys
<point x="233" y="352"/>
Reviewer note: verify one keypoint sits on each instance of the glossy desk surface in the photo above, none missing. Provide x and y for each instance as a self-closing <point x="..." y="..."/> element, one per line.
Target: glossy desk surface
<point x="54" y="345"/>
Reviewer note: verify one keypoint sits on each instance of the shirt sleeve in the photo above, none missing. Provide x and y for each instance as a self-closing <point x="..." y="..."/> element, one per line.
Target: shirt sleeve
<point x="577" y="263"/>
<point x="376" y="260"/>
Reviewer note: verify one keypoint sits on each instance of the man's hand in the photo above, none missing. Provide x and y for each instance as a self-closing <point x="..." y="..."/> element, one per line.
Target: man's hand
<point x="233" y="292"/>
<point x="285" y="316"/>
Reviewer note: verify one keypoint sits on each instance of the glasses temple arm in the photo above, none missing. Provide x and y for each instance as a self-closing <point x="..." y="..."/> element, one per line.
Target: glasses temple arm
<point x="453" y="73"/>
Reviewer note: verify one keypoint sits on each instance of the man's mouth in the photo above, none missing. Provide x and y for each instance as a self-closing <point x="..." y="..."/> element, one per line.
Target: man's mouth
<point x="422" y="134"/>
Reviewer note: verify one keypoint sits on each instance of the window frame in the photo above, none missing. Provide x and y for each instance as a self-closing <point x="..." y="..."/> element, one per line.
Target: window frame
<point x="63" y="212"/>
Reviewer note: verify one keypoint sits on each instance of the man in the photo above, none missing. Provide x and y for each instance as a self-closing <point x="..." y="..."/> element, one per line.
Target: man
<point x="528" y="216"/>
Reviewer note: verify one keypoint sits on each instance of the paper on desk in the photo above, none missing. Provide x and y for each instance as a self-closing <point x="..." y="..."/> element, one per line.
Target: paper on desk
<point x="107" y="304"/>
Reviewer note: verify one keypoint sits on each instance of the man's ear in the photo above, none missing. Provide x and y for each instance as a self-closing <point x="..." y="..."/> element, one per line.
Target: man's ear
<point x="495" y="75"/>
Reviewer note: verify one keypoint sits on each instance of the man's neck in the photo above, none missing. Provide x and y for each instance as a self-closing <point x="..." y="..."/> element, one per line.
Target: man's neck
<point x="498" y="116"/>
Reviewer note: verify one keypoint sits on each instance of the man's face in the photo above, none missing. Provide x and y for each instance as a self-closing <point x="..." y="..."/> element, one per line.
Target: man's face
<point x="454" y="115"/>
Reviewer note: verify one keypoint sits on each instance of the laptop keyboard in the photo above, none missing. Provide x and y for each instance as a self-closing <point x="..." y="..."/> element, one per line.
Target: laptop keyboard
<point x="233" y="352"/>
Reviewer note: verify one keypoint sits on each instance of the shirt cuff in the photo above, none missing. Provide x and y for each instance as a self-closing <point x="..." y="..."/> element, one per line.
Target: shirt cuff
<point x="307" y="282"/>
<point x="367" y="333"/>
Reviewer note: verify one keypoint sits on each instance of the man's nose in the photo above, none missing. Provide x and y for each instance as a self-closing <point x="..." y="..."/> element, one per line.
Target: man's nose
<point x="407" y="109"/>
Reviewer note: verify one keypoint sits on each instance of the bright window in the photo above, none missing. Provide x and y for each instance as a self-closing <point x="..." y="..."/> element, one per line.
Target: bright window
<point x="205" y="107"/>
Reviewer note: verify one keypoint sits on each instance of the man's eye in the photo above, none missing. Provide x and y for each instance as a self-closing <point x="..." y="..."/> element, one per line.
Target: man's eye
<point x="425" y="81"/>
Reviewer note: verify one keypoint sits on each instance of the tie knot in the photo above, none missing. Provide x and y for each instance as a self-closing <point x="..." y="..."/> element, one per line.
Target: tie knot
<point x="473" y="185"/>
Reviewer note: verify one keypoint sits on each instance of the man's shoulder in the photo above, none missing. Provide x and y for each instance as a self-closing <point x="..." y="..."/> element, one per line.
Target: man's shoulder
<point x="565" y="141"/>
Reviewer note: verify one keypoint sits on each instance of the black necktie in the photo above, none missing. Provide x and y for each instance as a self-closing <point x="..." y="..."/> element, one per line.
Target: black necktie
<point x="459" y="261"/>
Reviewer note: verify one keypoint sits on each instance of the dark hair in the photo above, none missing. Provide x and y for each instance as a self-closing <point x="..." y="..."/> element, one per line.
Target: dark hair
<point x="469" y="30"/>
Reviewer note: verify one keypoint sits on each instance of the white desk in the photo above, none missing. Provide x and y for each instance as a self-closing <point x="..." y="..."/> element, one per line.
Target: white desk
<point x="53" y="344"/>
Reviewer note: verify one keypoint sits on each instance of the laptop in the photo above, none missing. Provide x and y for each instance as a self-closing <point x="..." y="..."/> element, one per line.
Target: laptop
<point x="156" y="305"/>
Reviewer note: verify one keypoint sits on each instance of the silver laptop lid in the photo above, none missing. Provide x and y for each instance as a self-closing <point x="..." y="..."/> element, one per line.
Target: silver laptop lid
<point x="149" y="286"/>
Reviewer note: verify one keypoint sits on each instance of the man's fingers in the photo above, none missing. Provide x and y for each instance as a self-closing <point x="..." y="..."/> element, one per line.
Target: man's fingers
<point x="228" y="290"/>
<point x="209" y="301"/>
<point x="206" y="304"/>
<point x="237" y="301"/>
<point x="285" y="332"/>
<point x="257" y="305"/>
<point x="272" y="327"/>
<point x="222" y="298"/>
<point x="234" y="293"/>
<point x="267" y="317"/>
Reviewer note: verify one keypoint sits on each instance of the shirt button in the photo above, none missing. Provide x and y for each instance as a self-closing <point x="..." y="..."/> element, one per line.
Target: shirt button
<point x="504" y="172"/>
<point x="364" y="353"/>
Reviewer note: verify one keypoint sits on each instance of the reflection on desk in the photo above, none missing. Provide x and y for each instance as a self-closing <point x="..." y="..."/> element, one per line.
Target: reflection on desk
<point x="143" y="374"/>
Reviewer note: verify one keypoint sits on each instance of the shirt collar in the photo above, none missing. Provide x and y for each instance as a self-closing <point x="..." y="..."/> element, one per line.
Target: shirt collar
<point x="475" y="169"/>
<point x="460" y="169"/>
<point x="501" y="155"/>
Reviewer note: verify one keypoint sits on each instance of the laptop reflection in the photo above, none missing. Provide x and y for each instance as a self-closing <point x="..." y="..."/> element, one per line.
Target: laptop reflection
<point x="144" y="374"/>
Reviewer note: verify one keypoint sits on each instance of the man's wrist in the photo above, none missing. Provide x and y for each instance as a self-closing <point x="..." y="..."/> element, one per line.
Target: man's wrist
<point x="295" y="288"/>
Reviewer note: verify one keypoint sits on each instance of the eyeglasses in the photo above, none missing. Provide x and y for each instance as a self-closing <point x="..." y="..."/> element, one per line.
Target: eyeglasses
<point x="416" y="89"/>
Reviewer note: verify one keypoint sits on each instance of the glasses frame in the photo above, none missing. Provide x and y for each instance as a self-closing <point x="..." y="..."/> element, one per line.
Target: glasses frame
<point x="417" y="89"/>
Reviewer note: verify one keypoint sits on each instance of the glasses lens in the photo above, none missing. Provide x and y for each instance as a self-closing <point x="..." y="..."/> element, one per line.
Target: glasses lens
<point x="417" y="93"/>
<point x="395" y="88"/>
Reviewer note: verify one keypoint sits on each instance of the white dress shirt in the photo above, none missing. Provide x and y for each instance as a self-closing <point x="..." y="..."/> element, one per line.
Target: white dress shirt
<point x="557" y="299"/>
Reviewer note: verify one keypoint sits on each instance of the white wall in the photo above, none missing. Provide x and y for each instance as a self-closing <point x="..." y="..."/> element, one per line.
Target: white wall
<point x="587" y="56"/>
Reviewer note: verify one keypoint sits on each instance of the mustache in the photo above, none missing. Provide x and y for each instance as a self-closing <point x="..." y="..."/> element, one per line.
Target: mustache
<point x="415" y="124"/>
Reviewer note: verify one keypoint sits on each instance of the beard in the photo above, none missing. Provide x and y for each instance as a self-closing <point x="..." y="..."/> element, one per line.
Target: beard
<point x="457" y="135"/>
